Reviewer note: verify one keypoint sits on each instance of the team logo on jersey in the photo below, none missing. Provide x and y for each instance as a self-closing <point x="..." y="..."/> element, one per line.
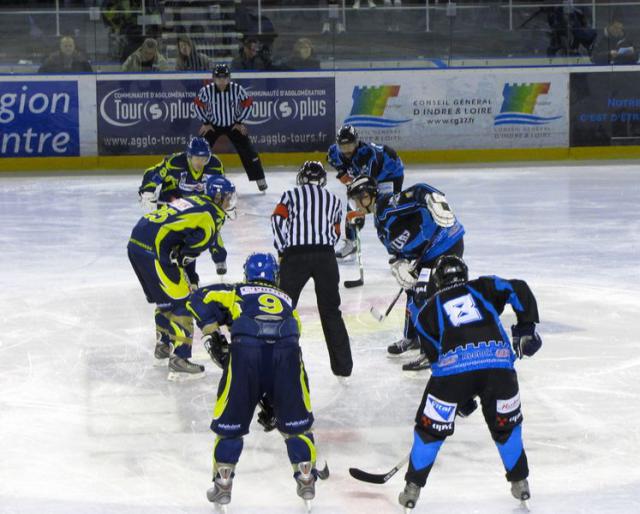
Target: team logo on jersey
<point x="369" y="106"/>
<point x="439" y="410"/>
<point x="509" y="405"/>
<point x="399" y="242"/>
<point x="519" y="103"/>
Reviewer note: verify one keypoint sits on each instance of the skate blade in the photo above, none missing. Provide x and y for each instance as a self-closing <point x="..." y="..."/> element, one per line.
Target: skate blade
<point x="524" y="505"/>
<point x="307" y="504"/>
<point x="176" y="376"/>
<point x="413" y="353"/>
<point x="221" y="508"/>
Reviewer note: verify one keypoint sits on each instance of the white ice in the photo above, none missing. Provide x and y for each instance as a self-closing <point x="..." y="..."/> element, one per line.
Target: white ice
<point x="88" y="425"/>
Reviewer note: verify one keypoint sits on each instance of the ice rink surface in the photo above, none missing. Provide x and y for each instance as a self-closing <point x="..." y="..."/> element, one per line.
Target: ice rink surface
<point x="88" y="425"/>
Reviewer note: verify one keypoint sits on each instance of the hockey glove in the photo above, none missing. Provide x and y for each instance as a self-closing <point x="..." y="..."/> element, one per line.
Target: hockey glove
<point x="176" y="257"/>
<point x="266" y="416"/>
<point x="440" y="210"/>
<point x="467" y="408"/>
<point x="526" y="340"/>
<point x="344" y="177"/>
<point x="217" y="347"/>
<point x="404" y="272"/>
<point x="221" y="268"/>
<point x="356" y="219"/>
<point x="148" y="200"/>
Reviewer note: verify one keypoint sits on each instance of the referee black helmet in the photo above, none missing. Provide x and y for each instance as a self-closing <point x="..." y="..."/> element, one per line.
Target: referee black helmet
<point x="221" y="70"/>
<point x="312" y="172"/>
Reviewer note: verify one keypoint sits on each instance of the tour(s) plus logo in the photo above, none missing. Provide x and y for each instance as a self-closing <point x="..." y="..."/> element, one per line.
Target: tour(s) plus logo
<point x="369" y="106"/>
<point x="519" y="103"/>
<point x="122" y="108"/>
<point x="265" y="110"/>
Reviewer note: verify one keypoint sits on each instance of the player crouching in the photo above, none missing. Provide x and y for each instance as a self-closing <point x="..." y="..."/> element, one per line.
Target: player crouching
<point x="263" y="360"/>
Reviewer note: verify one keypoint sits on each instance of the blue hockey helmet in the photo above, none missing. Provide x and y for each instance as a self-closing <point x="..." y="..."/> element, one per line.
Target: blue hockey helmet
<point x="198" y="147"/>
<point x="261" y="267"/>
<point x="449" y="270"/>
<point x="222" y="191"/>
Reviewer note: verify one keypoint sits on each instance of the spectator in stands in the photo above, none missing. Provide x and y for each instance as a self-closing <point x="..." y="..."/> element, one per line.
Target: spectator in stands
<point x="304" y="57"/>
<point x="614" y="47"/>
<point x="569" y="31"/>
<point x="125" y="35"/>
<point x="189" y="59"/>
<point x="66" y="60"/>
<point x="250" y="57"/>
<point x="146" y="58"/>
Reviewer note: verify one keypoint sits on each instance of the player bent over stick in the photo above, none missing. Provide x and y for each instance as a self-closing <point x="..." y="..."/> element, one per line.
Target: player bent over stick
<point x="470" y="356"/>
<point x="263" y="359"/>
<point x="162" y="244"/>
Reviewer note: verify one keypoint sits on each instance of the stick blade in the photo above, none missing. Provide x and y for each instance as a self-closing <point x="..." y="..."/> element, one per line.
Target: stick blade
<point x="376" y="314"/>
<point x="363" y="476"/>
<point x="353" y="283"/>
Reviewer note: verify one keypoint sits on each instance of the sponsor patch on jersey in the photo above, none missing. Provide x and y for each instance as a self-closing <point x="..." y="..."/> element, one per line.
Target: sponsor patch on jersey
<point x="181" y="204"/>
<point x="509" y="405"/>
<point x="399" y="242"/>
<point x="265" y="289"/>
<point x="439" y="410"/>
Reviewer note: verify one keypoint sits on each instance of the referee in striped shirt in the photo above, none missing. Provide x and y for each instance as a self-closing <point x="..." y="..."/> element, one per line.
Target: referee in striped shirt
<point x="222" y="107"/>
<point x="306" y="226"/>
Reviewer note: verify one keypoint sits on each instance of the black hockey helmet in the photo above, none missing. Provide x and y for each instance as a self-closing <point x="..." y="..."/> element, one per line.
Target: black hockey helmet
<point x="362" y="184"/>
<point x="347" y="134"/>
<point x="222" y="71"/>
<point x="448" y="270"/>
<point x="312" y="172"/>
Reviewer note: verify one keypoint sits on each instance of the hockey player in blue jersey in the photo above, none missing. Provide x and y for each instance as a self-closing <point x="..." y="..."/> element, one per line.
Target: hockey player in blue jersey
<point x="471" y="357"/>
<point x="416" y="226"/>
<point x="263" y="359"/>
<point x="183" y="174"/>
<point x="162" y="244"/>
<point x="352" y="158"/>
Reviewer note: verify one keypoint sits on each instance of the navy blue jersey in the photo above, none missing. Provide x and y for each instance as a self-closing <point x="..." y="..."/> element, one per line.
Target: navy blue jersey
<point x="460" y="326"/>
<point x="253" y="310"/>
<point x="177" y="178"/>
<point x="191" y="224"/>
<point x="407" y="229"/>
<point x="377" y="161"/>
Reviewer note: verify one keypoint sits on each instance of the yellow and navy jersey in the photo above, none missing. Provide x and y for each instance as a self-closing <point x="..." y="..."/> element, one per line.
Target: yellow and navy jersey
<point x="191" y="224"/>
<point x="252" y="310"/>
<point x="177" y="178"/>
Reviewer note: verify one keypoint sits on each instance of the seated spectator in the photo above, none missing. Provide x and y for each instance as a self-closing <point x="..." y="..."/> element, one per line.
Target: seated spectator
<point x="66" y="60"/>
<point x="249" y="57"/>
<point x="189" y="59"/>
<point x="146" y="58"/>
<point x="614" y="47"/>
<point x="303" y="56"/>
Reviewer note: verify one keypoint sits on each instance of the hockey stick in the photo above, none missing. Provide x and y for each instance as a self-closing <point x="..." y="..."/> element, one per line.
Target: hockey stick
<point x="381" y="317"/>
<point x="360" y="281"/>
<point x="374" y="478"/>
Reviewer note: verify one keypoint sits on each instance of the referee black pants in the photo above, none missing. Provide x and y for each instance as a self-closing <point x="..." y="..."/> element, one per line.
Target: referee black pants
<point x="296" y="268"/>
<point x="246" y="151"/>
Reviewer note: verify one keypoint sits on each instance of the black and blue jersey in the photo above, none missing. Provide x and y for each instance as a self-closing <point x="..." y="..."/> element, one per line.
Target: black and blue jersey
<point x="460" y="326"/>
<point x="407" y="229"/>
<point x="378" y="161"/>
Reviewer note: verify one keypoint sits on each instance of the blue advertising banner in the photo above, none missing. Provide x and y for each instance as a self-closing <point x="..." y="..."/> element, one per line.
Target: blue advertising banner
<point x="39" y="118"/>
<point x="146" y="117"/>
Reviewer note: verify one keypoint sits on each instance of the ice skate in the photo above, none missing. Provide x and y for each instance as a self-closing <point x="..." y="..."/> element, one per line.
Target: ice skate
<point x="182" y="369"/>
<point x="520" y="491"/>
<point x="306" y="483"/>
<point x="409" y="497"/>
<point x="220" y="493"/>
<point x="421" y="363"/>
<point x="162" y="351"/>
<point x="403" y="345"/>
<point x="262" y="184"/>
<point x="348" y="248"/>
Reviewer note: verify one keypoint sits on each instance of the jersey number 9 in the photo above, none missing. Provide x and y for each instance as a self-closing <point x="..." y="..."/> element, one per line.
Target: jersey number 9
<point x="270" y="304"/>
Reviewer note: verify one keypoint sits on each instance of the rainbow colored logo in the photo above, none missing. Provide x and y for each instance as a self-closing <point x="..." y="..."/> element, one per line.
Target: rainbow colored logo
<point x="369" y="104"/>
<point x="519" y="102"/>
